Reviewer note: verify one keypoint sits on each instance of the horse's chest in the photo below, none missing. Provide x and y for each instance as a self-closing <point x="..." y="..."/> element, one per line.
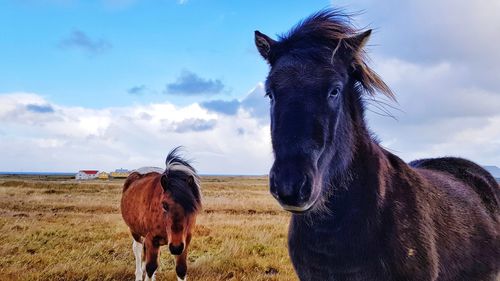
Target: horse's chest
<point x="319" y="255"/>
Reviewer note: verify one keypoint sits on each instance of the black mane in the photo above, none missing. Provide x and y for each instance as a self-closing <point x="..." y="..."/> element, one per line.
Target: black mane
<point x="322" y="34"/>
<point x="178" y="171"/>
<point x="323" y="28"/>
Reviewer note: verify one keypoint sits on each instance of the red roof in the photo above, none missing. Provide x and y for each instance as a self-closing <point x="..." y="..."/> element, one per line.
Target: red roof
<point x="89" y="172"/>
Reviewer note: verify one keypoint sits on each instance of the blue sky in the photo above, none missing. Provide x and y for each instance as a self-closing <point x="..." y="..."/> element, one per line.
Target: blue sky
<point x="118" y="83"/>
<point x="130" y="44"/>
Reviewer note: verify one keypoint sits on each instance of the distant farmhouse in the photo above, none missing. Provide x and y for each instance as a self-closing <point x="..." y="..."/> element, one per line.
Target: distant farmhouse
<point x="86" y="174"/>
<point x="120" y="173"/>
<point x="94" y="174"/>
<point x="103" y="176"/>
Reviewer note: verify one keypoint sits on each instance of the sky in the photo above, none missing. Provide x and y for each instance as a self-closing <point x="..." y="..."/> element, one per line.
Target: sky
<point x="109" y="84"/>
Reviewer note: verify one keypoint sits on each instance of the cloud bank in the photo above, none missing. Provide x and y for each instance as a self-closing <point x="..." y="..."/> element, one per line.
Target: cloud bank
<point x="38" y="135"/>
<point x="441" y="62"/>
<point x="440" y="59"/>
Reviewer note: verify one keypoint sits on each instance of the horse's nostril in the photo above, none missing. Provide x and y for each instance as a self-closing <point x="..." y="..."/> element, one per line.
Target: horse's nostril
<point x="290" y="187"/>
<point x="273" y="186"/>
<point x="275" y="194"/>
<point x="304" y="181"/>
<point x="305" y="188"/>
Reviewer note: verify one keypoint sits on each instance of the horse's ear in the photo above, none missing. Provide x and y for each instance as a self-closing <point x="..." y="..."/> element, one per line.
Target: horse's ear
<point x="358" y="41"/>
<point x="370" y="80"/>
<point x="354" y="53"/>
<point x="264" y="44"/>
<point x="163" y="181"/>
<point x="190" y="181"/>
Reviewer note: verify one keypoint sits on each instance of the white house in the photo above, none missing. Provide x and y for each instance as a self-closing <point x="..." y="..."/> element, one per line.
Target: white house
<point x="86" y="174"/>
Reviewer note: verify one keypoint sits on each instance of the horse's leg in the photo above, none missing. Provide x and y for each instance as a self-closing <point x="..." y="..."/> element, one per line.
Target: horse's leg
<point x="181" y="266"/>
<point x="152" y="253"/>
<point x="138" y="253"/>
<point x="180" y="262"/>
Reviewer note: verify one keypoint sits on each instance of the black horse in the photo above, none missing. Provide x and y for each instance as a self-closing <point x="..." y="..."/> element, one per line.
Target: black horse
<point x="359" y="211"/>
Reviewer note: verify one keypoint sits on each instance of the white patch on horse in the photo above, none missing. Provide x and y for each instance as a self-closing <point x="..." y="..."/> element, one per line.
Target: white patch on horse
<point x="153" y="278"/>
<point x="137" y="248"/>
<point x="180" y="279"/>
<point x="179" y="167"/>
<point x="145" y="170"/>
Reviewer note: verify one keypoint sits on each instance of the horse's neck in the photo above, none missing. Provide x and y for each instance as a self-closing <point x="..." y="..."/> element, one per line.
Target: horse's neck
<point x="358" y="193"/>
<point x="348" y="227"/>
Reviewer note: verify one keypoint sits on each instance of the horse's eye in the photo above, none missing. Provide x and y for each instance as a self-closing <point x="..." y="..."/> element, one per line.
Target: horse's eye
<point x="165" y="207"/>
<point x="270" y="94"/>
<point x="334" y="92"/>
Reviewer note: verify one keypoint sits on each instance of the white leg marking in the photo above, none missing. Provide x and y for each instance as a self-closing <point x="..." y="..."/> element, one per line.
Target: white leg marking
<point x="179" y="279"/>
<point x="153" y="278"/>
<point x="137" y="248"/>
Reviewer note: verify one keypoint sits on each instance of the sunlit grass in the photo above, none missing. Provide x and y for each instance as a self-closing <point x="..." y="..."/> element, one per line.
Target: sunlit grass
<point x="65" y="230"/>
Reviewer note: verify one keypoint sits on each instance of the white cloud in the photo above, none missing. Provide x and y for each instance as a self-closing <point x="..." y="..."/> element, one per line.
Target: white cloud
<point x="429" y="91"/>
<point x="441" y="114"/>
<point x="73" y="138"/>
<point x="441" y="59"/>
<point x="440" y="118"/>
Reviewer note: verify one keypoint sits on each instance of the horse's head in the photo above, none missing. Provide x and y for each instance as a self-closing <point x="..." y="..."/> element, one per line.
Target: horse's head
<point x="314" y="71"/>
<point x="180" y="201"/>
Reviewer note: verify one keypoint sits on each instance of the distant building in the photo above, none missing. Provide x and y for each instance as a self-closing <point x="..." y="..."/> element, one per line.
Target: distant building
<point x="120" y="173"/>
<point x="86" y="174"/>
<point x="103" y="176"/>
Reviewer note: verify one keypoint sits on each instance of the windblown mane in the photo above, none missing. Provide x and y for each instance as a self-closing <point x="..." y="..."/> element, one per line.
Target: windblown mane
<point x="178" y="171"/>
<point x="329" y="28"/>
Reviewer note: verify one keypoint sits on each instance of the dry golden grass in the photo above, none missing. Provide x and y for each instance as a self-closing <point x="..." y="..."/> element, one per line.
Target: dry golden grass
<point x="65" y="230"/>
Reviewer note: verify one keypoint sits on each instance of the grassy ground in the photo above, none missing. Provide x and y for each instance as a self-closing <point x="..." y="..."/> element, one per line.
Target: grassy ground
<point x="65" y="230"/>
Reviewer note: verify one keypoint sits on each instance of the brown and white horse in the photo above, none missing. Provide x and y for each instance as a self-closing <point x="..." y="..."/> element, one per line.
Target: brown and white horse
<point x="160" y="208"/>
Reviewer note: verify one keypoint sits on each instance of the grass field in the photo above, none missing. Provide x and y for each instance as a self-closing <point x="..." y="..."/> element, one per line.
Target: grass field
<point x="54" y="229"/>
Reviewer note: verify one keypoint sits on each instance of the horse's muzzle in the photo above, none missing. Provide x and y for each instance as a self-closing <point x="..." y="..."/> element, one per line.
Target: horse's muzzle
<point x="292" y="191"/>
<point x="176" y="249"/>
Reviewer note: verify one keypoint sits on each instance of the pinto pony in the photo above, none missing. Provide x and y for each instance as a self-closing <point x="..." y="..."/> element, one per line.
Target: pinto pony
<point x="160" y="208"/>
<point x="359" y="211"/>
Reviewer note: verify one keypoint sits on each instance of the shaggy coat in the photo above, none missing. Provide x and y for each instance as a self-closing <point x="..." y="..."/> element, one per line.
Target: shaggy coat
<point x="160" y="209"/>
<point x="359" y="211"/>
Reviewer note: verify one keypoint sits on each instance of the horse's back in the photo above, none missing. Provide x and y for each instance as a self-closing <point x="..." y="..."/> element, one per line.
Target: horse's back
<point x="469" y="173"/>
<point x="130" y="179"/>
<point x="139" y="174"/>
<point x="465" y="217"/>
<point x="147" y="170"/>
